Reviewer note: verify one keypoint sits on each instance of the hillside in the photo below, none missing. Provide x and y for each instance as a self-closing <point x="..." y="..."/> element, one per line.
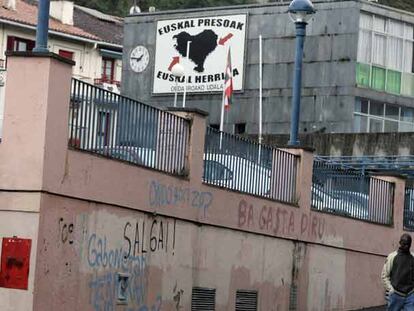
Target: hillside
<point x="121" y="7"/>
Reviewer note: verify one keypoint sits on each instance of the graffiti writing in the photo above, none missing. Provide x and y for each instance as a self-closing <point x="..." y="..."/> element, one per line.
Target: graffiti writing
<point x="171" y="195"/>
<point x="129" y="257"/>
<point x="279" y="220"/>
<point x="161" y="236"/>
<point x="104" y="288"/>
<point x="65" y="231"/>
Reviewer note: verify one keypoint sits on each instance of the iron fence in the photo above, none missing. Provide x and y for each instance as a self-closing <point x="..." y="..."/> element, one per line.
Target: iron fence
<point x="408" y="218"/>
<point x="239" y="164"/>
<point x="346" y="192"/>
<point x="117" y="127"/>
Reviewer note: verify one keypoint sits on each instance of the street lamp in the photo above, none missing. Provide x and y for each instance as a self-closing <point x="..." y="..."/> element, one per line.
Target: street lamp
<point x="178" y="71"/>
<point x="300" y="11"/>
<point x="42" y="27"/>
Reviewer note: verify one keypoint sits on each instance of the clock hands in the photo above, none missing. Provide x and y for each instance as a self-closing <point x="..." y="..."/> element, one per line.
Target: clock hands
<point x="138" y="58"/>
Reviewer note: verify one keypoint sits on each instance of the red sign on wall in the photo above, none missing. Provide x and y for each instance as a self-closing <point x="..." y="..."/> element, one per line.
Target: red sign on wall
<point x="15" y="263"/>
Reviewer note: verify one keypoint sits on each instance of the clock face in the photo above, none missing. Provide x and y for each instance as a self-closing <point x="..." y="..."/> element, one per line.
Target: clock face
<point x="139" y="58"/>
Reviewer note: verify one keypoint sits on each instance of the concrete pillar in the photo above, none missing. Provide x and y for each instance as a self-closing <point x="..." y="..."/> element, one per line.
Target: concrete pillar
<point x="304" y="175"/>
<point x="196" y="141"/>
<point x="35" y="131"/>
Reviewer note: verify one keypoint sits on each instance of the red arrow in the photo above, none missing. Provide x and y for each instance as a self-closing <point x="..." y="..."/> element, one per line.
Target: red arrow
<point x="175" y="60"/>
<point x="223" y="40"/>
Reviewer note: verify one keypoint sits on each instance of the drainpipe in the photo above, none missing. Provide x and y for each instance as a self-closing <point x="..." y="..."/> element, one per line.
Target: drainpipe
<point x="42" y="28"/>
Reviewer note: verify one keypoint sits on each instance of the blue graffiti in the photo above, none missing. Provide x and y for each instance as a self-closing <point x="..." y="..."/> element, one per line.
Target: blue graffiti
<point x="171" y="195"/>
<point x="104" y="286"/>
<point x="99" y="256"/>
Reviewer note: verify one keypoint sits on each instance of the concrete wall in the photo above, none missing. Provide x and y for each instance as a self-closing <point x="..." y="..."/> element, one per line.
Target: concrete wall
<point x="100" y="217"/>
<point x="357" y="144"/>
<point x="328" y="74"/>
<point x="19" y="216"/>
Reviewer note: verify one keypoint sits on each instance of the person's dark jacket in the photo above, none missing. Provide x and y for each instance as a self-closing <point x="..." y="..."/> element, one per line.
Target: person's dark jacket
<point x="398" y="273"/>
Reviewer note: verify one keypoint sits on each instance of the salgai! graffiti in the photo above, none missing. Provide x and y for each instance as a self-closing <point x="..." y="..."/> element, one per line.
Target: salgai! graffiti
<point x="279" y="220"/>
<point x="130" y="257"/>
<point x="171" y="195"/>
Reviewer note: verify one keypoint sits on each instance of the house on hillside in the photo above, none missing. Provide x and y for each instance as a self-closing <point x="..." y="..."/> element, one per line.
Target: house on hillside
<point x="90" y="38"/>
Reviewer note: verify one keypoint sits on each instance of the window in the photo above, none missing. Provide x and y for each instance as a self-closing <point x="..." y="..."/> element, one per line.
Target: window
<point x="246" y="300"/>
<point x="108" y="68"/>
<point x="104" y="119"/>
<point x="374" y="116"/>
<point x="203" y="299"/>
<point x="66" y="54"/>
<point x="240" y="128"/>
<point x="385" y="54"/>
<point x="17" y="44"/>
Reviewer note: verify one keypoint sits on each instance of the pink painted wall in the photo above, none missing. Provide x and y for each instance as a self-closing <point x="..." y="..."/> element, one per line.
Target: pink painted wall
<point x="91" y="208"/>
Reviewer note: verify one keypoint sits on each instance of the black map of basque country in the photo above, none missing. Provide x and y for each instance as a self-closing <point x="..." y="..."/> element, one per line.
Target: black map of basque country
<point x="201" y="46"/>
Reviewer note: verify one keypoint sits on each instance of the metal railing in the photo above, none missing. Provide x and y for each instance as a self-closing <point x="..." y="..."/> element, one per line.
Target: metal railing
<point x="239" y="164"/>
<point x="346" y="192"/>
<point x="117" y="127"/>
<point x="408" y="218"/>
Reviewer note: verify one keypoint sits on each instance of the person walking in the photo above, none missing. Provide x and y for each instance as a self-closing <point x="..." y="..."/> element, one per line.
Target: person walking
<point x="398" y="277"/>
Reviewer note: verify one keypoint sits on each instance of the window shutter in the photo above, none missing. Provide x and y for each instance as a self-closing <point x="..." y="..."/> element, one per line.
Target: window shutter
<point x="30" y="45"/>
<point x="10" y="43"/>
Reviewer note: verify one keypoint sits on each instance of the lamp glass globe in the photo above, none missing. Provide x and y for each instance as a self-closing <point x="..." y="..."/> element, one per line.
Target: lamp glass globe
<point x="177" y="70"/>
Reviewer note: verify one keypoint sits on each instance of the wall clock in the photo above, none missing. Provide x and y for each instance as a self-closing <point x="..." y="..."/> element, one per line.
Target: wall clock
<point x="139" y="58"/>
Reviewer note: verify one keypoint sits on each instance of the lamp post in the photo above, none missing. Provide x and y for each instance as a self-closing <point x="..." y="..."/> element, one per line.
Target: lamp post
<point x="178" y="71"/>
<point x="300" y="12"/>
<point x="42" y="27"/>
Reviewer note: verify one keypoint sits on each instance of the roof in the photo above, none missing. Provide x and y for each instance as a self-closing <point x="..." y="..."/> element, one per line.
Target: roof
<point x="107" y="27"/>
<point x="87" y="23"/>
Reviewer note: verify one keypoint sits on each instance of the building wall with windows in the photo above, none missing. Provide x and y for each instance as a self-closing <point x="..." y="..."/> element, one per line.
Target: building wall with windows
<point x="81" y="38"/>
<point x="357" y="70"/>
<point x="88" y="58"/>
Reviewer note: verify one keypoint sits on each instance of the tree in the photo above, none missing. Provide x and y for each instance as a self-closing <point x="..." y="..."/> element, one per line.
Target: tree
<point x="121" y="7"/>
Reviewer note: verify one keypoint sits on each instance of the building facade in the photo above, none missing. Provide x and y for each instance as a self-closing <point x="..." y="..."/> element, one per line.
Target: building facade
<point x="82" y="231"/>
<point x="90" y="38"/>
<point x="357" y="70"/>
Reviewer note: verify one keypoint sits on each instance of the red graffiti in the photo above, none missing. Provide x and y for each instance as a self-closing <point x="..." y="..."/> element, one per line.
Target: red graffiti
<point x="279" y="220"/>
<point x="312" y="225"/>
<point x="245" y="214"/>
<point x="276" y="220"/>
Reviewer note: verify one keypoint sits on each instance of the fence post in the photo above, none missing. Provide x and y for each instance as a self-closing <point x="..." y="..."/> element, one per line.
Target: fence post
<point x="196" y="140"/>
<point x="304" y="175"/>
<point x="35" y="132"/>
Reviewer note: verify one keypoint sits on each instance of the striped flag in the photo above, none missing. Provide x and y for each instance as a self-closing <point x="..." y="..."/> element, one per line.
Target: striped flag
<point x="228" y="83"/>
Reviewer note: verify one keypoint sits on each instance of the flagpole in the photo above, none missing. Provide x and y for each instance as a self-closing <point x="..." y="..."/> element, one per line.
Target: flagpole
<point x="260" y="94"/>
<point x="222" y="109"/>
<point x="186" y="72"/>
<point x="260" y="88"/>
<point x="223" y="103"/>
<point x="222" y="115"/>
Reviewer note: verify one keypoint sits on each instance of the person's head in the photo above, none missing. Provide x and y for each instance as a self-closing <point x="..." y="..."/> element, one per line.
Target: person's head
<point x="405" y="242"/>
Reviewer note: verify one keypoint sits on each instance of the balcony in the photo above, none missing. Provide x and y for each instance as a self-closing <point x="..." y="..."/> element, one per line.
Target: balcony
<point x="101" y="81"/>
